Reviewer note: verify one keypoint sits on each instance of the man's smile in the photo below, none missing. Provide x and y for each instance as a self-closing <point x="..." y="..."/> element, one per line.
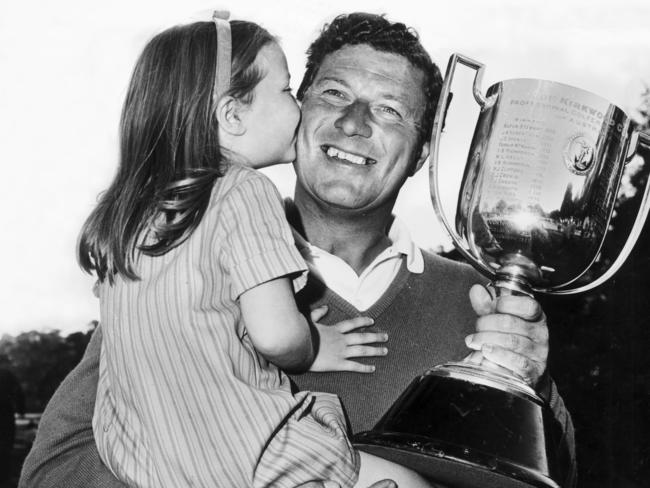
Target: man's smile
<point x="340" y="154"/>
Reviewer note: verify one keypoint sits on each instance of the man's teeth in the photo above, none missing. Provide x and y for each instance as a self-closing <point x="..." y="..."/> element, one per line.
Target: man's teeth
<point x="352" y="158"/>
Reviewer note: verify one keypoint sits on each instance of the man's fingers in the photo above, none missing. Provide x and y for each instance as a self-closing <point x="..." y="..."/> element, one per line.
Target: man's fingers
<point x="522" y="306"/>
<point x="511" y="333"/>
<point x="514" y="342"/>
<point x="484" y="303"/>
<point x="474" y="357"/>
<point x="527" y="369"/>
<point x="320" y="484"/>
<point x="365" y="351"/>
<point x="510" y="324"/>
<point x="481" y="300"/>
<point x="384" y="484"/>
<point x="331" y="484"/>
<point x="318" y="313"/>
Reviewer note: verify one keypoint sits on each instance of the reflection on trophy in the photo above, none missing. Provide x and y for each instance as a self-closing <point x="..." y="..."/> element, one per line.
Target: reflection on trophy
<point x="538" y="192"/>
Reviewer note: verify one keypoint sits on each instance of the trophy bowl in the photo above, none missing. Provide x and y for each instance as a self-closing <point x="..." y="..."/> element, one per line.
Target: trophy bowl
<point x="538" y="192"/>
<point x="464" y="427"/>
<point x="540" y="184"/>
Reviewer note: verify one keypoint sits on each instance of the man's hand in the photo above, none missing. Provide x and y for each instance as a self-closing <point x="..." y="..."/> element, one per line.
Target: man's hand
<point x="339" y="342"/>
<point x="511" y="332"/>
<point x="332" y="484"/>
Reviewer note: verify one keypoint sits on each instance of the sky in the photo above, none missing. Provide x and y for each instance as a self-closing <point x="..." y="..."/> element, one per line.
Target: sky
<point x="65" y="67"/>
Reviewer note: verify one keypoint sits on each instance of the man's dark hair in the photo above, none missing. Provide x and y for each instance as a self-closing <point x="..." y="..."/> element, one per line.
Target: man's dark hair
<point x="382" y="35"/>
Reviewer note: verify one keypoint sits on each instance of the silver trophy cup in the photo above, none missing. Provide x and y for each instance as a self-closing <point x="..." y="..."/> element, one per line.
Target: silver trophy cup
<point x="538" y="192"/>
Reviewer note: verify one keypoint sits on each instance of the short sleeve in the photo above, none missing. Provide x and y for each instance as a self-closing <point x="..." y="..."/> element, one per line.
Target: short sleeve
<point x="259" y="245"/>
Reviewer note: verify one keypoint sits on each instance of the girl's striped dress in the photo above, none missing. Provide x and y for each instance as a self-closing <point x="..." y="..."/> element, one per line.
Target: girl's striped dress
<point x="184" y="400"/>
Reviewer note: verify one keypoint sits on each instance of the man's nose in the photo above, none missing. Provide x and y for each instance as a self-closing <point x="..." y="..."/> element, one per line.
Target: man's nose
<point x="354" y="121"/>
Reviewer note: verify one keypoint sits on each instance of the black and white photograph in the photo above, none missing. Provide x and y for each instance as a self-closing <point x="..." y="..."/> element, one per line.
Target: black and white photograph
<point x="325" y="244"/>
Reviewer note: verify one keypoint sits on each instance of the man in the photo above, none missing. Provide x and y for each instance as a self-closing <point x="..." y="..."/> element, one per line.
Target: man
<point x="369" y="95"/>
<point x="368" y="101"/>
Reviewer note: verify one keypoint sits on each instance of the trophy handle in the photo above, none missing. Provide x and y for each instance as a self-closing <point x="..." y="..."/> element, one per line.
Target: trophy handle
<point x="438" y="123"/>
<point x="638" y="139"/>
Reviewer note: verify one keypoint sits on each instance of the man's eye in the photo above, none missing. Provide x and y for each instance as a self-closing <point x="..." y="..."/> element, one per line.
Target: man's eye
<point x="390" y="111"/>
<point x="334" y="97"/>
<point x="333" y="93"/>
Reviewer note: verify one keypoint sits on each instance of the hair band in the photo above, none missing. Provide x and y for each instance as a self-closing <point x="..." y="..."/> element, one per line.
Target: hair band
<point x="224" y="53"/>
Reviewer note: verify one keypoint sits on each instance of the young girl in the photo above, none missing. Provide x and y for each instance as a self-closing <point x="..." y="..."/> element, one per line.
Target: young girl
<point x="195" y="262"/>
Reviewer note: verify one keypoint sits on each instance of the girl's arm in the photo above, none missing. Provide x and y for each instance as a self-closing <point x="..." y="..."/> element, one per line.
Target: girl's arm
<point x="277" y="329"/>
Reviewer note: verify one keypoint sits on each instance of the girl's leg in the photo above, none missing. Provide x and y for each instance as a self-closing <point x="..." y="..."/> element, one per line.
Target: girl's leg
<point x="374" y="469"/>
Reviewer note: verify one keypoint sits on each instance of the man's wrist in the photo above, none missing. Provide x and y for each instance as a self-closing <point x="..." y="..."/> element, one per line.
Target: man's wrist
<point x="544" y="387"/>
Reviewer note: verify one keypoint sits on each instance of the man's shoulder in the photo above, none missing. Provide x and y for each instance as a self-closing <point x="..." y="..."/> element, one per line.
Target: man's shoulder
<point x="441" y="267"/>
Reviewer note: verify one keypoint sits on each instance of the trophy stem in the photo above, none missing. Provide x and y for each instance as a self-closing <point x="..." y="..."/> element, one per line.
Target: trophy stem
<point x="512" y="285"/>
<point x="515" y="275"/>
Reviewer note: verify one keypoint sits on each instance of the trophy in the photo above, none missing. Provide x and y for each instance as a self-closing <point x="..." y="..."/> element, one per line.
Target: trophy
<point x="538" y="192"/>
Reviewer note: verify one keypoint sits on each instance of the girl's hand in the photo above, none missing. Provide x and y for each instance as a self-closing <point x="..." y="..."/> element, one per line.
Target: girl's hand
<point x="338" y="343"/>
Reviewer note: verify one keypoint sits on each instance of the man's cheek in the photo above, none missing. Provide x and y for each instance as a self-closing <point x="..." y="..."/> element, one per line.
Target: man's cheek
<point x="317" y="108"/>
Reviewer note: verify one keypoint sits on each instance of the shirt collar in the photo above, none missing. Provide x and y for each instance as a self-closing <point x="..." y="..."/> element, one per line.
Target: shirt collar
<point x="398" y="234"/>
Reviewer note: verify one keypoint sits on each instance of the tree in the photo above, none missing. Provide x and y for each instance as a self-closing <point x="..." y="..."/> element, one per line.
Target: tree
<point x="41" y="360"/>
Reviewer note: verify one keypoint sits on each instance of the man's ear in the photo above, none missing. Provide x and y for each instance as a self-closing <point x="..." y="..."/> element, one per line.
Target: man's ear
<point x="229" y="116"/>
<point x="424" y="154"/>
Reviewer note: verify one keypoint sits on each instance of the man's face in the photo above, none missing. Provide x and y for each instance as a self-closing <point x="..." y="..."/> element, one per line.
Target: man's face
<point x="357" y="139"/>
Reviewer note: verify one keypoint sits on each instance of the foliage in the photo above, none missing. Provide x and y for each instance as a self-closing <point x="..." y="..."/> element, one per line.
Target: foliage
<point x="40" y="361"/>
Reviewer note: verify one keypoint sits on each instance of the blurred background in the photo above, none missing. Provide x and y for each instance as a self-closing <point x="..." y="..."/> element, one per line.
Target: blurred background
<point x="65" y="68"/>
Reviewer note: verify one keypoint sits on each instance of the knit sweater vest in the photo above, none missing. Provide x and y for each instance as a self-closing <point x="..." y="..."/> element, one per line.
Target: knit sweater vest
<point x="426" y="316"/>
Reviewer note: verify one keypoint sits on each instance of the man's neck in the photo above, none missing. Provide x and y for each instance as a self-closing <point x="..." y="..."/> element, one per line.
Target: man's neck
<point x="355" y="238"/>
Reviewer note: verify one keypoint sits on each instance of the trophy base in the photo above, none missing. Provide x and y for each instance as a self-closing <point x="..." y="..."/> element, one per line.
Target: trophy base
<point x="463" y="426"/>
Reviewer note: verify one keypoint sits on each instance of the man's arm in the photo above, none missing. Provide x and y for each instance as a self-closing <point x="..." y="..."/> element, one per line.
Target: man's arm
<point x="512" y="333"/>
<point x="566" y="449"/>
<point x="64" y="452"/>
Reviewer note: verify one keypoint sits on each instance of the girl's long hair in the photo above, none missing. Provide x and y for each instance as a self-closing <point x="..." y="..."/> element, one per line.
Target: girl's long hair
<point x="169" y="147"/>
